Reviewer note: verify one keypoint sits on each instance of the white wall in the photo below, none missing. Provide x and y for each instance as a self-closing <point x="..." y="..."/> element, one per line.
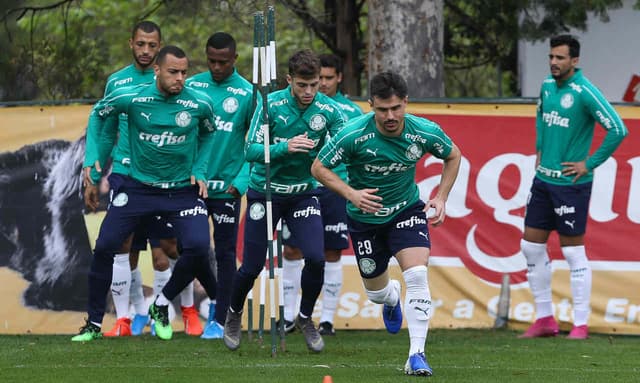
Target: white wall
<point x="609" y="54"/>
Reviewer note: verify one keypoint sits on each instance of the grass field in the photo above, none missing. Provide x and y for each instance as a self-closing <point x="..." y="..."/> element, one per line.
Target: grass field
<point x="352" y="356"/>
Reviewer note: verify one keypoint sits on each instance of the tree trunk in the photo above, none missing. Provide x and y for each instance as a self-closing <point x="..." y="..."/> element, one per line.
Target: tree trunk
<point x="406" y="36"/>
<point x="348" y="45"/>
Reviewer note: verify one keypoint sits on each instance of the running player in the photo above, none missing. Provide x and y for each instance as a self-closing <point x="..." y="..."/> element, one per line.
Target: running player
<point x="334" y="220"/>
<point x="385" y="214"/>
<point x="228" y="173"/>
<point x="299" y="119"/>
<point x="171" y="129"/>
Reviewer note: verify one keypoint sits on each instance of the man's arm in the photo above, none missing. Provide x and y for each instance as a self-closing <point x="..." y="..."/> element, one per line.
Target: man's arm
<point x="449" y="174"/>
<point x="364" y="199"/>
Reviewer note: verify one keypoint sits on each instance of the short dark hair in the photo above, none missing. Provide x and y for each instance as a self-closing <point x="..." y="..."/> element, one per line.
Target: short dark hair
<point x="169" y="50"/>
<point x="329" y="60"/>
<point x="304" y="63"/>
<point x="387" y="84"/>
<point x="147" y="27"/>
<point x="568" y="40"/>
<point x="222" y="40"/>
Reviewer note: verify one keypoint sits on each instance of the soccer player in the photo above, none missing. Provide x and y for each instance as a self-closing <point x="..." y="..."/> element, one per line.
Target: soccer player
<point x="568" y="108"/>
<point x="171" y="130"/>
<point x="228" y="172"/>
<point x="334" y="220"/>
<point x="299" y="119"/>
<point x="385" y="214"/>
<point x="126" y="282"/>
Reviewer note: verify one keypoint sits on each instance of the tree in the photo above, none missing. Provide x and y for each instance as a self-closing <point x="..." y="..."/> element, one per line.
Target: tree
<point x="406" y="37"/>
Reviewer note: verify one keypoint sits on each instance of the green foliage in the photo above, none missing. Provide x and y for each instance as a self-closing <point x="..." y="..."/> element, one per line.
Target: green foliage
<point x="69" y="51"/>
<point x="480" y="355"/>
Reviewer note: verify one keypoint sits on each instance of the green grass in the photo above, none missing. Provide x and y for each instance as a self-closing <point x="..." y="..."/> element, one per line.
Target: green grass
<point x="352" y="356"/>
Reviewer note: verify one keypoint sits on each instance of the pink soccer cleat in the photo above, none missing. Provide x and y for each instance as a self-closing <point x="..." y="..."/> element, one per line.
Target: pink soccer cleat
<point x="579" y="332"/>
<point x="543" y="327"/>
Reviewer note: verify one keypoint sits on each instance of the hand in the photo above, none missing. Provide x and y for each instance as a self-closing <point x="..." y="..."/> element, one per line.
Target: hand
<point x="300" y="144"/>
<point x="91" y="197"/>
<point x="576" y="169"/>
<point x="439" y="206"/>
<point x="366" y="200"/>
<point x="233" y="191"/>
<point x="86" y="179"/>
<point x="202" y="187"/>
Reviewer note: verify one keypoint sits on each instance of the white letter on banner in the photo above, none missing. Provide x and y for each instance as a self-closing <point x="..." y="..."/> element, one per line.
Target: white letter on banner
<point x="487" y="185"/>
<point x="456" y="207"/>
<point x="604" y="181"/>
<point x="633" y="206"/>
<point x="615" y="310"/>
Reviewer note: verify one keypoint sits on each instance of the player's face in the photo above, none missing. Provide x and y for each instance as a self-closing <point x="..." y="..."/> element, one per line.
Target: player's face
<point x="304" y="89"/>
<point x="144" y="47"/>
<point x="561" y="64"/>
<point x="389" y="114"/>
<point x="170" y="75"/>
<point x="220" y="62"/>
<point x="329" y="81"/>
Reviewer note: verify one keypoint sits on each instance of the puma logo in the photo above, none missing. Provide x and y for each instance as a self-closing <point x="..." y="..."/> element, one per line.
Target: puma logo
<point x="147" y="116"/>
<point x="372" y="152"/>
<point x="230" y="205"/>
<point x="425" y="311"/>
<point x="570" y="223"/>
<point x="331" y="292"/>
<point x="116" y="292"/>
<point x="283" y="118"/>
<point x="424" y="235"/>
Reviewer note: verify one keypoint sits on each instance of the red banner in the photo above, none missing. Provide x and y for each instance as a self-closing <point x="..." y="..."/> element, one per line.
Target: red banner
<point x="486" y="207"/>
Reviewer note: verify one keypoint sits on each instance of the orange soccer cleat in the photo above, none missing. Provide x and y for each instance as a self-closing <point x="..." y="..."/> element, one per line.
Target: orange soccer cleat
<point x="191" y="319"/>
<point x="121" y="328"/>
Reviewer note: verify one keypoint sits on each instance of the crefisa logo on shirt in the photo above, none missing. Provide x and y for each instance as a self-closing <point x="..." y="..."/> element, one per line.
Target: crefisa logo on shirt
<point x="230" y="104"/>
<point x="566" y="101"/>
<point x="183" y="119"/>
<point x="317" y="122"/>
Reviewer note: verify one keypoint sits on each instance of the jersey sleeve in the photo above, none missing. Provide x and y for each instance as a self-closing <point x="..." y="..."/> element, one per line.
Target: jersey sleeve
<point x="604" y="113"/>
<point x="105" y="110"/>
<point x="255" y="142"/>
<point x="539" y="124"/>
<point x="206" y="130"/>
<point x="333" y="152"/>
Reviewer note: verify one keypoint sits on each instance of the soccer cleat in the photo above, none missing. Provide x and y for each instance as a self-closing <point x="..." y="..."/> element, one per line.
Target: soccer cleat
<point x="392" y="315"/>
<point x="121" y="328"/>
<point x="160" y="315"/>
<point x="87" y="333"/>
<point x="417" y="365"/>
<point x="138" y="324"/>
<point x="213" y="330"/>
<point x="313" y="338"/>
<point x="191" y="321"/>
<point x="232" y="330"/>
<point x="326" y="328"/>
<point x="579" y="332"/>
<point x="289" y="326"/>
<point x="542" y="327"/>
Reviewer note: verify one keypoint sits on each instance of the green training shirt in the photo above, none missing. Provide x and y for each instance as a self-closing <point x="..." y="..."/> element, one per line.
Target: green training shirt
<point x="290" y="172"/>
<point x="233" y="105"/>
<point x="388" y="163"/>
<point x="565" y="123"/>
<point x="170" y="136"/>
<point x="350" y="110"/>
<point x="125" y="77"/>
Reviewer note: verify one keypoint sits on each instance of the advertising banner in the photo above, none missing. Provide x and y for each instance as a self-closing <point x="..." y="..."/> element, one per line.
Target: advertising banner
<point x="46" y="237"/>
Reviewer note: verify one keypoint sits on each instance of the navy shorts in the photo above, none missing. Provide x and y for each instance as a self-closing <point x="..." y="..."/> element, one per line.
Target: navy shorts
<point x="152" y="229"/>
<point x="301" y="211"/>
<point x="132" y="203"/>
<point x="563" y="208"/>
<point x="375" y="244"/>
<point x="334" y="220"/>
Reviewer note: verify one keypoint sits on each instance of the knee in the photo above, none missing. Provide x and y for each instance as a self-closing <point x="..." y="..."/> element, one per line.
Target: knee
<point x="533" y="251"/>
